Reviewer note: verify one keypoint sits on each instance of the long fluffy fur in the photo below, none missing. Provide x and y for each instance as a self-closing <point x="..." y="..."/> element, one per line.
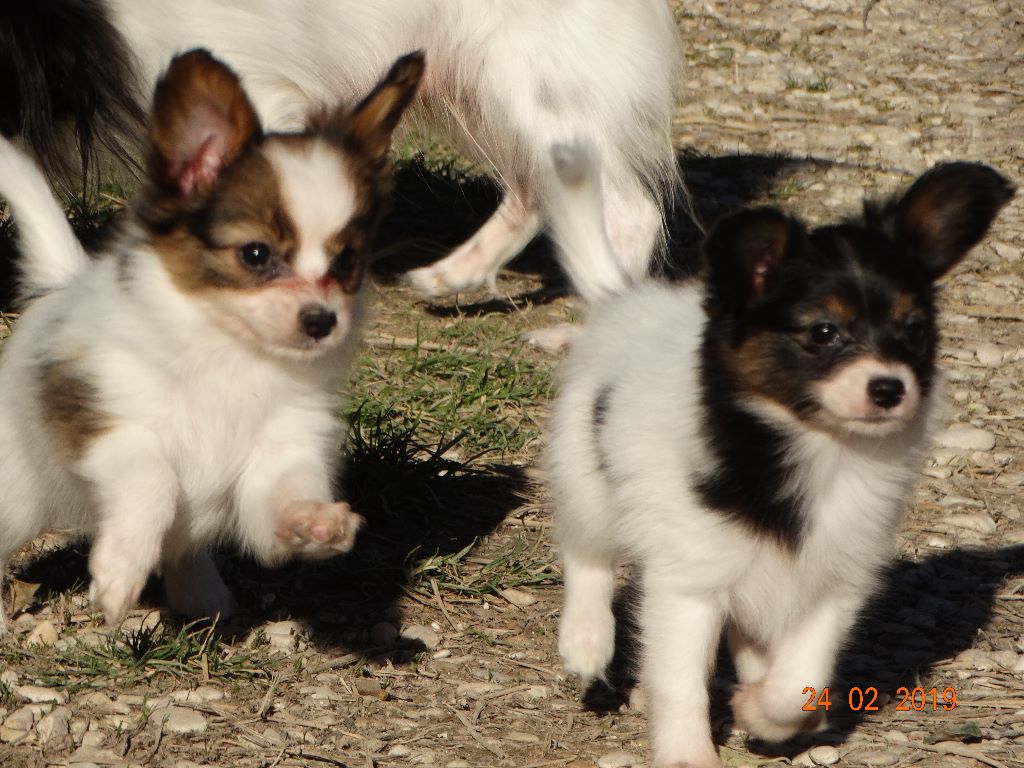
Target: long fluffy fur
<point x="743" y="461"/>
<point x="56" y="255"/>
<point x="506" y="80"/>
<point x="68" y="78"/>
<point x="181" y="388"/>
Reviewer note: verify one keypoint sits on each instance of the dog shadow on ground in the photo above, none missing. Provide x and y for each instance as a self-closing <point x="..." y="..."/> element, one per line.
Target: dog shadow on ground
<point x="927" y="612"/>
<point x="442" y="209"/>
<point x="420" y="509"/>
<point x="416" y="504"/>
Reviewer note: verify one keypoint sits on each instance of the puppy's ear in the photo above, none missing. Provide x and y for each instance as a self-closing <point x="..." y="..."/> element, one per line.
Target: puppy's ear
<point x="945" y="213"/>
<point x="367" y="129"/>
<point x="202" y="120"/>
<point x="742" y="253"/>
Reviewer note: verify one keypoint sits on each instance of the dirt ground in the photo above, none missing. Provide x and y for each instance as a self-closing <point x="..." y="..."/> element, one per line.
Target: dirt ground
<point x="436" y="646"/>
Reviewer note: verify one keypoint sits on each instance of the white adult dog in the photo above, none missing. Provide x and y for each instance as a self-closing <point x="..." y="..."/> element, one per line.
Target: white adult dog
<point x="505" y="81"/>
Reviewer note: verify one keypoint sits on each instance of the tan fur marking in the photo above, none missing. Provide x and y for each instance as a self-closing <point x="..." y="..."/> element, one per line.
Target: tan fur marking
<point x="245" y="206"/>
<point x="70" y="409"/>
<point x="199" y="90"/>
<point x="753" y="362"/>
<point x="839" y="309"/>
<point x="377" y="115"/>
<point x="902" y="307"/>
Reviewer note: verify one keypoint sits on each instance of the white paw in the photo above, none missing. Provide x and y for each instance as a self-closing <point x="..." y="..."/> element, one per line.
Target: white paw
<point x="115" y="591"/>
<point x="318" y="529"/>
<point x="427" y="282"/>
<point x="437" y="280"/>
<point x="195" y="590"/>
<point x="757" y="713"/>
<point x="586" y="642"/>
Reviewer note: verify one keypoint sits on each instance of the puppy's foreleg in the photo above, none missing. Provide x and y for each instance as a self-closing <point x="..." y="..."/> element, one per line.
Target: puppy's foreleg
<point x="680" y="637"/>
<point x="285" y="500"/>
<point x="135" y="492"/>
<point x="772" y="708"/>
<point x="748" y="657"/>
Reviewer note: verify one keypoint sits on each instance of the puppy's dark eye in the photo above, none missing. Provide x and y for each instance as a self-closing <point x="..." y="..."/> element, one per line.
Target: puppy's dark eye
<point x="824" y="334"/>
<point x="914" y="333"/>
<point x="347" y="268"/>
<point x="255" y="255"/>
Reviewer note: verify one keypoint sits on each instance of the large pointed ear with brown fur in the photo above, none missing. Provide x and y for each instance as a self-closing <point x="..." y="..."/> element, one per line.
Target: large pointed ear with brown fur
<point x="368" y="128"/>
<point x="742" y="253"/>
<point x="202" y="121"/>
<point x="945" y="213"/>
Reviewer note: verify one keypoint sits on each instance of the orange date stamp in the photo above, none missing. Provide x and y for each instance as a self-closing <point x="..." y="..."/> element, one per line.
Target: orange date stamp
<point x="859" y="699"/>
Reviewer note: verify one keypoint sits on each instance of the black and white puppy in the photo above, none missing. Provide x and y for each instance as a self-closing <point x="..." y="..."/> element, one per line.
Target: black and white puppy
<point x="750" y="443"/>
<point x="181" y="388"/>
<point x="505" y="80"/>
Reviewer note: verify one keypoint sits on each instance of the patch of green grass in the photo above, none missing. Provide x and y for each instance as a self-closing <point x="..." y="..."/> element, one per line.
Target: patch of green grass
<point x="820" y="85"/>
<point x="469" y="387"/>
<point x="434" y="156"/>
<point x="189" y="654"/>
<point x="785" y="190"/>
<point x="525" y="564"/>
<point x="91" y="211"/>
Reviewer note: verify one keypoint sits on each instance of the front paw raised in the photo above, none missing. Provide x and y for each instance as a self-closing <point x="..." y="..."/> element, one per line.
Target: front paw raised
<point x="318" y="529"/>
<point x="757" y="713"/>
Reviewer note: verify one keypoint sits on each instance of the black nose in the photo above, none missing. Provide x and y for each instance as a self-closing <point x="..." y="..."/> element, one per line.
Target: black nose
<point x="317" y="321"/>
<point x="886" y="392"/>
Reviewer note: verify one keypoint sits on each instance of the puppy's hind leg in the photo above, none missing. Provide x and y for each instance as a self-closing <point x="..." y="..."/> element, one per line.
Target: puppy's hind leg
<point x="194" y="588"/>
<point x="20" y="517"/>
<point x="476" y="262"/>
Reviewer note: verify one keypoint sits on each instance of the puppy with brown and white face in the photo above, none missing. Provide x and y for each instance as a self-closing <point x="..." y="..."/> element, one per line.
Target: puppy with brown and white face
<point x="181" y="388"/>
<point x="749" y="443"/>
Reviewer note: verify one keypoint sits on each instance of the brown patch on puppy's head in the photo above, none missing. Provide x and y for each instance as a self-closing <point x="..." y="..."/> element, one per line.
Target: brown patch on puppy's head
<point x="268" y="231"/>
<point x="202" y="121"/>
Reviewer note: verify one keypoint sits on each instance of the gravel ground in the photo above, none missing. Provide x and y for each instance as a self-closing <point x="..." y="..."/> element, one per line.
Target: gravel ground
<point x="811" y="104"/>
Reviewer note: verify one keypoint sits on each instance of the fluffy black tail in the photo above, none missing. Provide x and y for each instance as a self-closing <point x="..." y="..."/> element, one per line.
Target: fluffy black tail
<point x="66" y="79"/>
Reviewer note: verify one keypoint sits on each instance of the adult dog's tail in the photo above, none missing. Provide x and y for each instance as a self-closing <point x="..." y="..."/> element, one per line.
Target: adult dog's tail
<point x="67" y="79"/>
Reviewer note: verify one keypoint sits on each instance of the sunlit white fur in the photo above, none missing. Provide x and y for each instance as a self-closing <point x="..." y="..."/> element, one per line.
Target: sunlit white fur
<point x="506" y="79"/>
<point x="213" y="433"/>
<point x="317" y="193"/>
<point x="623" y="487"/>
<point x="846" y="402"/>
<point x="43" y="228"/>
<point x="787" y="614"/>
